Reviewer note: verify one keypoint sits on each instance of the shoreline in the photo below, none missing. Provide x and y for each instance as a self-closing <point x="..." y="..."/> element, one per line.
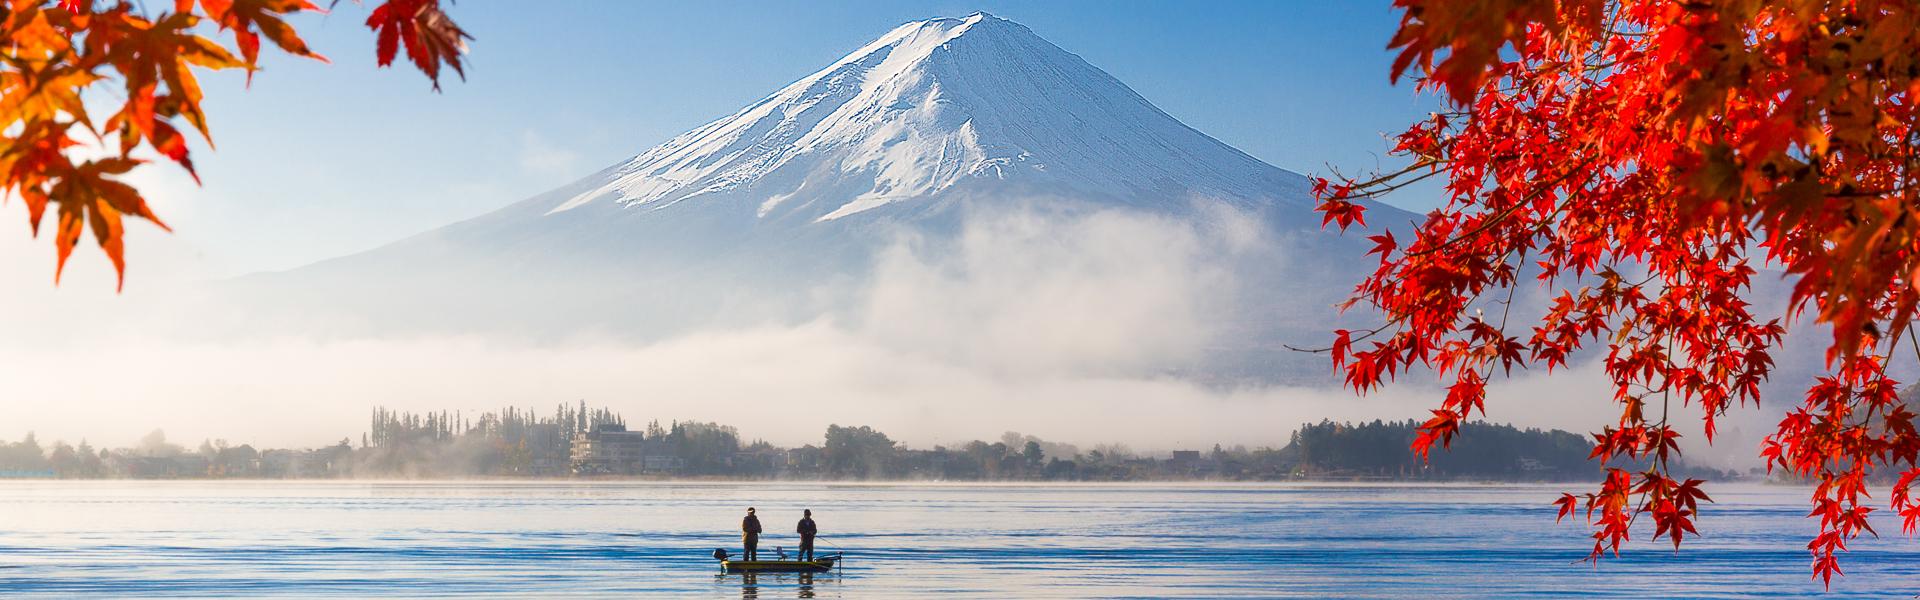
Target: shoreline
<point x="718" y="481"/>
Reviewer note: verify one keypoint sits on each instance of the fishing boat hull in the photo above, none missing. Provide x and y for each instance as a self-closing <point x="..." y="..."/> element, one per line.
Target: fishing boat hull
<point x="778" y="566"/>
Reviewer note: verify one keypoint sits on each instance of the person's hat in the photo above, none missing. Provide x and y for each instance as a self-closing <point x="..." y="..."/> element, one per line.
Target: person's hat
<point x="749" y="509"/>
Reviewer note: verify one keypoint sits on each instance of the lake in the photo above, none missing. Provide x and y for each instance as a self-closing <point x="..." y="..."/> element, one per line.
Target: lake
<point x="360" y="539"/>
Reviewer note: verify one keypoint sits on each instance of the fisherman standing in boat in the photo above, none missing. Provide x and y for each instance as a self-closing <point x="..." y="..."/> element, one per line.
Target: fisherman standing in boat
<point x="750" y="535"/>
<point x="807" y="530"/>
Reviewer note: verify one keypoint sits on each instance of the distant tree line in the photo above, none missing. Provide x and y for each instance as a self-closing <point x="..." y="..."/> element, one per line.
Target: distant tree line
<point x="516" y="442"/>
<point x="1379" y="449"/>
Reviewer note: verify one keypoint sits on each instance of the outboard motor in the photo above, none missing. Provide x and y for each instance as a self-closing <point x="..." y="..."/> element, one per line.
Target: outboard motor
<point x="719" y="553"/>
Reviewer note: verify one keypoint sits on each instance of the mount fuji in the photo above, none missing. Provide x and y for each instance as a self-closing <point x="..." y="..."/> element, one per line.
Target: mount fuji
<point x="782" y="211"/>
<point x="931" y="110"/>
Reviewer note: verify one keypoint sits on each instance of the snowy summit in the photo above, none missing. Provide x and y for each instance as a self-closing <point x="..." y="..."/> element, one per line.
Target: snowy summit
<point x="780" y="209"/>
<point x="935" y="106"/>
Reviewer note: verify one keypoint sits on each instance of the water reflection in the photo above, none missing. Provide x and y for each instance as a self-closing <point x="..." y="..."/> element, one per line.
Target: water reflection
<point x="304" y="539"/>
<point x="750" y="584"/>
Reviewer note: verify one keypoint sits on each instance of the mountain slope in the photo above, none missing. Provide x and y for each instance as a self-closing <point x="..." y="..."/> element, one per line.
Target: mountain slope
<point x="780" y="211"/>
<point x="930" y="106"/>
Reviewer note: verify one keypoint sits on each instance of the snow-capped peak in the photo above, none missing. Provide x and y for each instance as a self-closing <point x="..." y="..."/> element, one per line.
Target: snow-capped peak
<point x="929" y="107"/>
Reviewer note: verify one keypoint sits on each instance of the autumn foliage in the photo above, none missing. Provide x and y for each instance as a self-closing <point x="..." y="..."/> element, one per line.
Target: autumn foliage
<point x="56" y="154"/>
<point x="1642" y="160"/>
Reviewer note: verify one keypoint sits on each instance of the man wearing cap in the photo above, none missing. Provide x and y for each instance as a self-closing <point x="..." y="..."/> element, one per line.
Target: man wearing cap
<point x="750" y="536"/>
<point x="807" y="529"/>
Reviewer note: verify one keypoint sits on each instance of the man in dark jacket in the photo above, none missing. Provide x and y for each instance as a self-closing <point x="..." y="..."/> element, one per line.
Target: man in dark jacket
<point x="750" y="536"/>
<point x="807" y="529"/>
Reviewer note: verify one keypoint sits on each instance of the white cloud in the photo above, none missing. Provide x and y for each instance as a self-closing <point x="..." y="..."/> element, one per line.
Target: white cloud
<point x="1032" y="293"/>
<point x="783" y="384"/>
<point x="1059" y="325"/>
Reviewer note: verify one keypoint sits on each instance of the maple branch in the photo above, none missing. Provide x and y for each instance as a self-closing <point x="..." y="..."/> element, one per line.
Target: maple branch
<point x="1369" y="334"/>
<point x="1380" y="179"/>
<point x="1915" y="343"/>
<point x="1375" y="193"/>
<point x="1504" y="212"/>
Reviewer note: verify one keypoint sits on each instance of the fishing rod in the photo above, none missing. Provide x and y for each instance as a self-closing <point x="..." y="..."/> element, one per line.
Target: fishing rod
<point x="836" y="547"/>
<point x="838" y="565"/>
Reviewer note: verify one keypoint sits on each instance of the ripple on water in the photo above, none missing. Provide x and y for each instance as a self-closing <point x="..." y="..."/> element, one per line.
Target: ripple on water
<point x="351" y="539"/>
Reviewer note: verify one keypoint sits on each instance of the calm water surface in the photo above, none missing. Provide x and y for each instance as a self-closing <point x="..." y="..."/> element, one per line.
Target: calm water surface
<point x="360" y="539"/>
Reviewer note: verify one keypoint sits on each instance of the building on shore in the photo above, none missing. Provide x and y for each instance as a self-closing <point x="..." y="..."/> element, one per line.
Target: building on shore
<point x="609" y="449"/>
<point x="804" y="458"/>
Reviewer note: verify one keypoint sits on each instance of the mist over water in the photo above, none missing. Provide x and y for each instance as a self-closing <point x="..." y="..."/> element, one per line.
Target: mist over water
<point x="336" y="539"/>
<point x="1024" y="319"/>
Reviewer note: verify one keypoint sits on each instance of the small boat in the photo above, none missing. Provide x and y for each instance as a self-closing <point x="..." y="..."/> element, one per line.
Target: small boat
<point x="818" y="564"/>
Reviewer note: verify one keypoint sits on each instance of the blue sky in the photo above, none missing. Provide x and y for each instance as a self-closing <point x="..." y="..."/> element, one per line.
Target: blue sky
<point x="318" y="160"/>
<point x="321" y="160"/>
